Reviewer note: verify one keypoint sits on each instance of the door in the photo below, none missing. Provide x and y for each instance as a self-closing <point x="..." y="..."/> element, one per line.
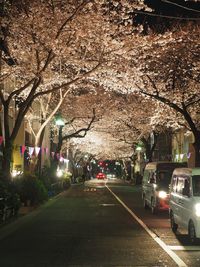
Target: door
<point x="182" y="199"/>
<point x="185" y="207"/>
<point x="174" y="197"/>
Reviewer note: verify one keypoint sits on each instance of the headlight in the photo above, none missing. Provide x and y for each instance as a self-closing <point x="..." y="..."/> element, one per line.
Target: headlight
<point x="162" y="194"/>
<point x="197" y="209"/>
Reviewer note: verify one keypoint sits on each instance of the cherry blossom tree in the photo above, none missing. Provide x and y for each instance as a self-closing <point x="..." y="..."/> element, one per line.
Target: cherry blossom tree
<point x="56" y="46"/>
<point x="172" y="77"/>
<point x="74" y="129"/>
<point x="44" y="38"/>
<point x="131" y="119"/>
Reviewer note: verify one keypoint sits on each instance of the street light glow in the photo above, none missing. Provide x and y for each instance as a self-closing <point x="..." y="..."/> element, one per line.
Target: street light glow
<point x="60" y="122"/>
<point x="59" y="173"/>
<point x="138" y="148"/>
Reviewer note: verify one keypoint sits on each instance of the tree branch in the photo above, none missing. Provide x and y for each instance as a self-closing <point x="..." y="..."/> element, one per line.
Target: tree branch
<point x="174" y="106"/>
<point x="68" y="83"/>
<point x="80" y="7"/>
<point x="81" y="132"/>
<point x="17" y="92"/>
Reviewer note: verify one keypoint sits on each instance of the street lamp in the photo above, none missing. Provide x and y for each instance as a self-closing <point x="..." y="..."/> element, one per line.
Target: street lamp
<point x="59" y="120"/>
<point x="138" y="147"/>
<point x="60" y="123"/>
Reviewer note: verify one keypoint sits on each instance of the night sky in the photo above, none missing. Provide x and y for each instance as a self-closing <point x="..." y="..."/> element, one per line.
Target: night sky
<point x="167" y="8"/>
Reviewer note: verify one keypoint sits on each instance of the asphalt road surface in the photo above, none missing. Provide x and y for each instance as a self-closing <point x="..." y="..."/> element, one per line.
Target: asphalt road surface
<point x="89" y="226"/>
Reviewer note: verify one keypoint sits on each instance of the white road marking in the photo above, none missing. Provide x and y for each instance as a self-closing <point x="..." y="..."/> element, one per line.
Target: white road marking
<point x="186" y="248"/>
<point x="173" y="255"/>
<point x="90" y="189"/>
<point x="106" y="205"/>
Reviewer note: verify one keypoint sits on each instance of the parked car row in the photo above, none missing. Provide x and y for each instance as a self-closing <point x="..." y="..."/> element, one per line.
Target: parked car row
<point x="174" y="187"/>
<point x="184" y="202"/>
<point x="102" y="175"/>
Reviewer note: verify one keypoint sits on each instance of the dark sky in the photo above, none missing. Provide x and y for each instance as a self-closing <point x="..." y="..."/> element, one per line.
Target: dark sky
<point x="161" y="6"/>
<point x="171" y="9"/>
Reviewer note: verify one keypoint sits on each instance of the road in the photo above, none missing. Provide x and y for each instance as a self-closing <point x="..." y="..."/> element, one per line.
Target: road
<point x="88" y="226"/>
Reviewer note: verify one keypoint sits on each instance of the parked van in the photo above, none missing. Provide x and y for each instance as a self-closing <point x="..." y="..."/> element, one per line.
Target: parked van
<point x="155" y="184"/>
<point x="185" y="201"/>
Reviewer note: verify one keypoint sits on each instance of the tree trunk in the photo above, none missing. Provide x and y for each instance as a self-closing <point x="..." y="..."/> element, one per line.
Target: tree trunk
<point x="58" y="148"/>
<point x="7" y="146"/>
<point x="196" y="145"/>
<point x="74" y="174"/>
<point x="60" y="141"/>
<point x="149" y="151"/>
<point x="7" y="157"/>
<point x="149" y="148"/>
<point x="38" y="167"/>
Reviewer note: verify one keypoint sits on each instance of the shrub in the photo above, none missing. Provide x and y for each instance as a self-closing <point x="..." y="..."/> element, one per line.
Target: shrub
<point x="66" y="179"/>
<point x="50" y="180"/>
<point x="48" y="176"/>
<point x="79" y="179"/>
<point x="9" y="197"/>
<point x="31" y="189"/>
<point x="67" y="175"/>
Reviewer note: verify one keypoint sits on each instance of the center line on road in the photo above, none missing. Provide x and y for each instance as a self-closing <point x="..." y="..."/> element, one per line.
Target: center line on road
<point x="166" y="248"/>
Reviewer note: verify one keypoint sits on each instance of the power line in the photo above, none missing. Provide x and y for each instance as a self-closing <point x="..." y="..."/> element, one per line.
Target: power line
<point x="178" y="5"/>
<point x="164" y="16"/>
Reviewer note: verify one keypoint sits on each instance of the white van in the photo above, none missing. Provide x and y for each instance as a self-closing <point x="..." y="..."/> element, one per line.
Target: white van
<point x="185" y="201"/>
<point x="155" y="184"/>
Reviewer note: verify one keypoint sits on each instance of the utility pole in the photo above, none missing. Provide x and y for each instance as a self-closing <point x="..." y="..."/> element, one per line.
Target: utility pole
<point x="1" y="82"/>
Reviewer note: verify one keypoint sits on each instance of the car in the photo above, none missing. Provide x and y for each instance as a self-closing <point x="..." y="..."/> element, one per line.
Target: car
<point x="111" y="176"/>
<point x="101" y="175"/>
<point x="155" y="184"/>
<point x="184" y="202"/>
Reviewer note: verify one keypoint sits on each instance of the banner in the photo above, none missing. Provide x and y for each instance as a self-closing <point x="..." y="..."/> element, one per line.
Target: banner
<point x="23" y="149"/>
<point x="37" y="150"/>
<point x="30" y="150"/>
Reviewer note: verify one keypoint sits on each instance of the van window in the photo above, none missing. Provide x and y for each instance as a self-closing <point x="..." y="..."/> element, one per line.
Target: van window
<point x="164" y="177"/>
<point x="180" y="185"/>
<point x="196" y="185"/>
<point x="146" y="176"/>
<point x="152" y="177"/>
<point x="183" y="186"/>
<point x="186" y="189"/>
<point x="174" y="184"/>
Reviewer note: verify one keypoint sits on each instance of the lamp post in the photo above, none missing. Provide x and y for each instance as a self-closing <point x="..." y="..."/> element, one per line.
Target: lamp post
<point x="60" y="123"/>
